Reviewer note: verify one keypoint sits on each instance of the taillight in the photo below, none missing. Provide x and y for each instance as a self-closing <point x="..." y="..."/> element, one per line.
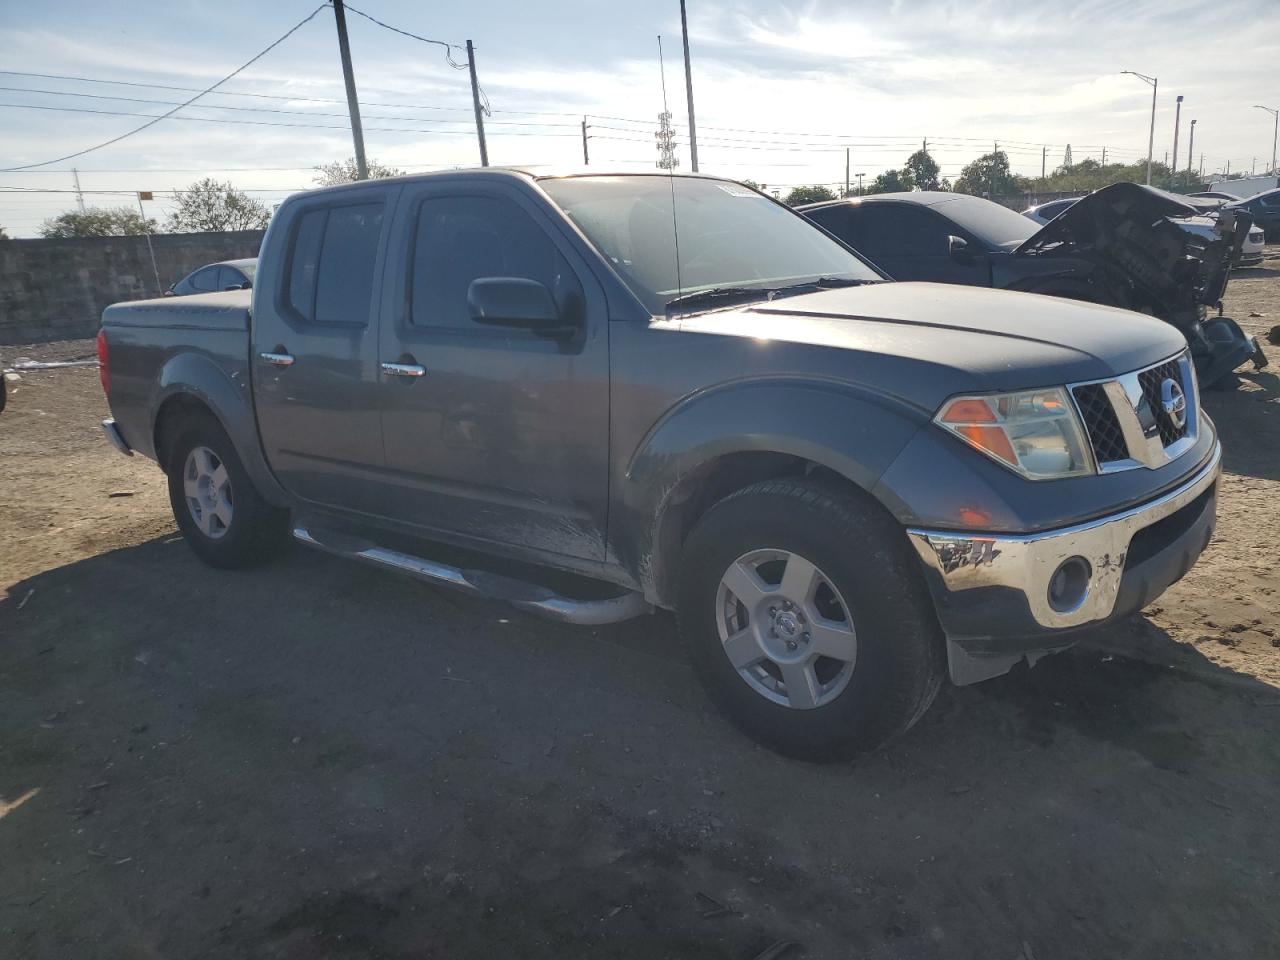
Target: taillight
<point x="104" y="363"/>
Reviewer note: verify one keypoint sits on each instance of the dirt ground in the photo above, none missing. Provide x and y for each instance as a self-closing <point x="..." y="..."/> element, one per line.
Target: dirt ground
<point x="316" y="759"/>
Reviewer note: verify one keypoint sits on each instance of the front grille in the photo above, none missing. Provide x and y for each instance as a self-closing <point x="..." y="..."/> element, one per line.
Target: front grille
<point x="1150" y="380"/>
<point x="1101" y="424"/>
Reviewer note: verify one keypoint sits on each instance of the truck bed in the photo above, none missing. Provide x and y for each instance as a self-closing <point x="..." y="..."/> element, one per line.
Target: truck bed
<point x="157" y="345"/>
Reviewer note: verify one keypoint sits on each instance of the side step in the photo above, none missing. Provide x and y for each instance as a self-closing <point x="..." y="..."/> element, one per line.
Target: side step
<point x="519" y="593"/>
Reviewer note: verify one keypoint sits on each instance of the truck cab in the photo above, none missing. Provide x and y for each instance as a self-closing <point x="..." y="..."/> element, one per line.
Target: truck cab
<point x="681" y="395"/>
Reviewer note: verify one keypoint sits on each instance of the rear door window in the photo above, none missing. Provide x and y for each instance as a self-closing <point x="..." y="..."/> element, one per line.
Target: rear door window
<point x="332" y="262"/>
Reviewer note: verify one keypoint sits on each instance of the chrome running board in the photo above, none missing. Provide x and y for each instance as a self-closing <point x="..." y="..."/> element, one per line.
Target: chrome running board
<point x="519" y="593"/>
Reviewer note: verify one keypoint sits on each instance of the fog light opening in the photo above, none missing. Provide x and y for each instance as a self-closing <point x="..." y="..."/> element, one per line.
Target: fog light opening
<point x="1069" y="584"/>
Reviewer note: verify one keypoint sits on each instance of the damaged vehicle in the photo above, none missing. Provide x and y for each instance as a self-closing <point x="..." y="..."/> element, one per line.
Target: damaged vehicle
<point x="521" y="385"/>
<point x="1119" y="246"/>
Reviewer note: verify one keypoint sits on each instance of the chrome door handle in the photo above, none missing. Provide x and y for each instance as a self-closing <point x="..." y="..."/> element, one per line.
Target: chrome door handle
<point x="403" y="369"/>
<point x="278" y="359"/>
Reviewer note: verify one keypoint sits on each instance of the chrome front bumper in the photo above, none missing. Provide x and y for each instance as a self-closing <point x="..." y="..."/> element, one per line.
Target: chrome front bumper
<point x="993" y="590"/>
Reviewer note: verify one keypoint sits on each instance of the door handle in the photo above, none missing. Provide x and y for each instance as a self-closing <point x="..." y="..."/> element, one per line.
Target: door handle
<point x="404" y="369"/>
<point x="278" y="359"/>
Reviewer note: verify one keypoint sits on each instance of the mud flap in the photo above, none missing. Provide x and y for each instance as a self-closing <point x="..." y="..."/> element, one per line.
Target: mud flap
<point x="1227" y="348"/>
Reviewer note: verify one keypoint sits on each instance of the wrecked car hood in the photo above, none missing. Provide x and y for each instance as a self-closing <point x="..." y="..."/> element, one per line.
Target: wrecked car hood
<point x="1129" y="228"/>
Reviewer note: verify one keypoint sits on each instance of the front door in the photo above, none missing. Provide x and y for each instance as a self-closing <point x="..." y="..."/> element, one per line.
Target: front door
<point x="315" y="348"/>
<point x="494" y="433"/>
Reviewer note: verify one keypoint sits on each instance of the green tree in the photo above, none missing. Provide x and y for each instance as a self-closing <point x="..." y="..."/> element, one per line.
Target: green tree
<point x="922" y="170"/>
<point x="812" y="194"/>
<point x="208" y="206"/>
<point x="3" y="234"/>
<point x="891" y="181"/>
<point x="990" y="175"/>
<point x="97" y="222"/>
<point x="344" y="171"/>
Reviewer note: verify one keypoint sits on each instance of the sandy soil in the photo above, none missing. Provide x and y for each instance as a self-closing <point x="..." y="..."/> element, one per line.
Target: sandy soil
<point x="319" y="760"/>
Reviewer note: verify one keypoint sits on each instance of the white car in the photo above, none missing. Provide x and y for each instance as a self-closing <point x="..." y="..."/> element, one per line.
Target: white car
<point x="1042" y="213"/>
<point x="1202" y="226"/>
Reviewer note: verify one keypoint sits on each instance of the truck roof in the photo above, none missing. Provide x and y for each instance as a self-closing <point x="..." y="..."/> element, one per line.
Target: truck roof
<point x="521" y="171"/>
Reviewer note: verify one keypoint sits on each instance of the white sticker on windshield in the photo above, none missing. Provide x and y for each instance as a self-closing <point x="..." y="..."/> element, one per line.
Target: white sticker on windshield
<point x="736" y="190"/>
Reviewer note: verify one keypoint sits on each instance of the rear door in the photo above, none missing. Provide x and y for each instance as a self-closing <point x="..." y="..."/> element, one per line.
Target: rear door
<point x="315" y="347"/>
<point x="504" y="436"/>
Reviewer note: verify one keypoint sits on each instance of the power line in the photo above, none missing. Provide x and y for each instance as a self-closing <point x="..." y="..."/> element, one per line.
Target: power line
<point x="152" y="122"/>
<point x="277" y="110"/>
<point x="255" y="123"/>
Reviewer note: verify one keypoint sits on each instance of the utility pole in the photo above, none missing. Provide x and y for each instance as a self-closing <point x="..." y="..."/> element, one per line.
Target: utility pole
<point x="475" y="102"/>
<point x="846" y="171"/>
<point x="688" y="86"/>
<point x="1177" y="119"/>
<point x="586" y="159"/>
<point x="1202" y="166"/>
<point x="1044" y="156"/>
<point x="75" y="175"/>
<point x="991" y="187"/>
<point x="1151" y="138"/>
<point x="859" y="184"/>
<point x="1191" y="146"/>
<point x="349" y="78"/>
<point x="147" y="195"/>
<point x="1104" y="156"/>
<point x="1275" y="135"/>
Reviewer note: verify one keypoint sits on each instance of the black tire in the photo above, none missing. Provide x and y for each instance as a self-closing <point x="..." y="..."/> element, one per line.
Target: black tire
<point x="863" y="552"/>
<point x="256" y="529"/>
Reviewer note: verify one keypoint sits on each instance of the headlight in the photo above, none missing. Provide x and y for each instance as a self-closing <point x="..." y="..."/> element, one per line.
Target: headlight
<point x="1035" y="433"/>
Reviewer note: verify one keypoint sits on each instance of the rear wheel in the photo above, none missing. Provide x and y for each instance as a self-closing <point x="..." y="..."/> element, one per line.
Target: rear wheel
<point x="807" y="620"/>
<point x="220" y="513"/>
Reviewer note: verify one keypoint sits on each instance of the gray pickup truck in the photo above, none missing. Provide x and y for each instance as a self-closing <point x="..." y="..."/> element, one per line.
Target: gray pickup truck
<point x="596" y="395"/>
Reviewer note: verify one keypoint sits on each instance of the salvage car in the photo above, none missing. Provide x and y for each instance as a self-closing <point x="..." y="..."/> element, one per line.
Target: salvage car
<point x="1204" y="224"/>
<point x="518" y="384"/>
<point x="1263" y="209"/>
<point x="1117" y="246"/>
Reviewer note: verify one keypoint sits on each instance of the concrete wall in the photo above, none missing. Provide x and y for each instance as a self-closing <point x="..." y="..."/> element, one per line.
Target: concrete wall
<point x="57" y="289"/>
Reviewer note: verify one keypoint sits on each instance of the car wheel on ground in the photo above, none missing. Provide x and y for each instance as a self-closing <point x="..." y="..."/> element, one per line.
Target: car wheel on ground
<point x="221" y="515"/>
<point x="807" y="621"/>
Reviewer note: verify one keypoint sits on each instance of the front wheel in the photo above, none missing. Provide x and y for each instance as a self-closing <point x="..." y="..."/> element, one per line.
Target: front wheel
<point x="222" y="516"/>
<point x="807" y="620"/>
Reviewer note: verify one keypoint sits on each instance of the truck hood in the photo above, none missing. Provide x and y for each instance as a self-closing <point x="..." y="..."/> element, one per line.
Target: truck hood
<point x="985" y="339"/>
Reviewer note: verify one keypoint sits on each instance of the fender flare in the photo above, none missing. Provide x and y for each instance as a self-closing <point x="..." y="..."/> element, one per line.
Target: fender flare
<point x="229" y="397"/>
<point x="851" y="431"/>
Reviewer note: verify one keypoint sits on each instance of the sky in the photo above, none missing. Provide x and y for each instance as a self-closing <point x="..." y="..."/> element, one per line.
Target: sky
<point x="781" y="88"/>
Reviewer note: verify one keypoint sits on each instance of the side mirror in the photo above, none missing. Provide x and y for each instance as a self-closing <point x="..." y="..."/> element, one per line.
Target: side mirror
<point x="516" y="302"/>
<point x="958" y="247"/>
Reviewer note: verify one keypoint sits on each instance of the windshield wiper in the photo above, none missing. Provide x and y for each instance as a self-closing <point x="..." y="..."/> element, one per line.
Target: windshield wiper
<point x="720" y="296"/>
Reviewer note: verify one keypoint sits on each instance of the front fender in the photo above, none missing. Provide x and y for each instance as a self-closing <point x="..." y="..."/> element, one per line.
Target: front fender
<point x="229" y="395"/>
<point x="852" y="431"/>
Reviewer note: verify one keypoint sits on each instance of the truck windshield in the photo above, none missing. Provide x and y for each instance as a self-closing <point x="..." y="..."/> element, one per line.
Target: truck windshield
<point x="726" y="235"/>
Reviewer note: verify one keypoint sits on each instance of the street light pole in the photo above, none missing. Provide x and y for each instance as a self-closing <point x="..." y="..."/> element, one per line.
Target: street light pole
<point x="1151" y="138"/>
<point x="1191" y="146"/>
<point x="1275" y="112"/>
<point x="1177" y="121"/>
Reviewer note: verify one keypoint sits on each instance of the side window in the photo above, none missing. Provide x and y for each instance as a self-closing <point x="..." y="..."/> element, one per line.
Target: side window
<point x="901" y="230"/>
<point x="229" y="277"/>
<point x="331" y="263"/>
<point x="461" y="239"/>
<point x="835" y="220"/>
<point x="304" y="263"/>
<point x="205" y="281"/>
